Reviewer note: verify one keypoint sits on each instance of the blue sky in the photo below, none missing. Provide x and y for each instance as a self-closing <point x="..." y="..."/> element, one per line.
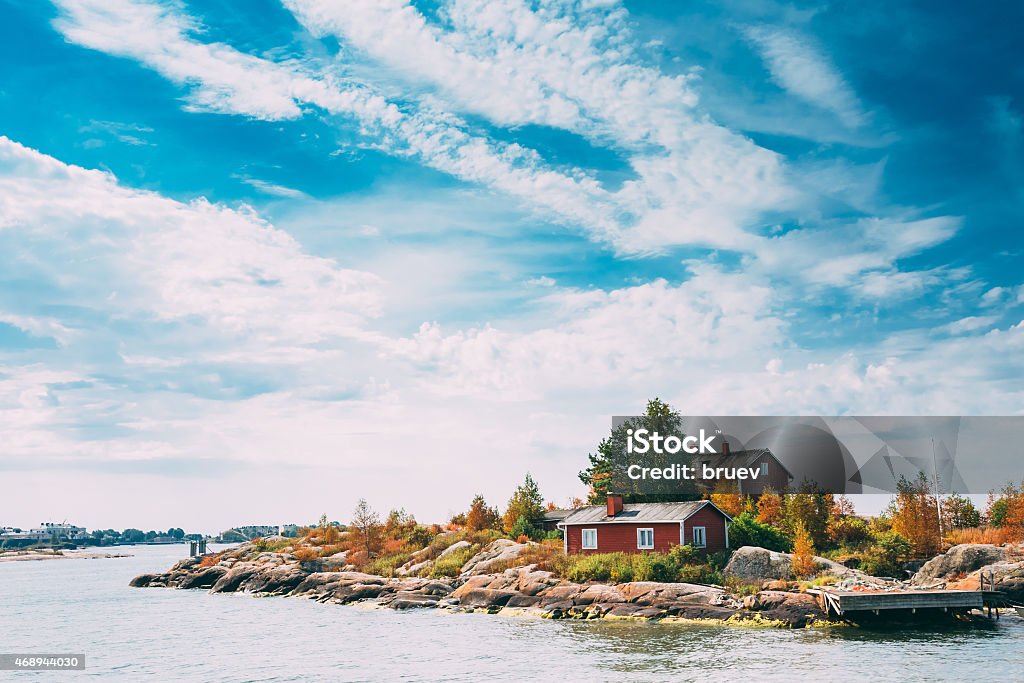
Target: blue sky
<point x="306" y="251"/>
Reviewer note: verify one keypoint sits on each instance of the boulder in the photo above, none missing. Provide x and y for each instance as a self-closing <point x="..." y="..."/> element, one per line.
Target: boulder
<point x="520" y="600"/>
<point x="275" y="580"/>
<point x="454" y="548"/>
<point x="766" y="600"/>
<point x="757" y="565"/>
<point x="484" y="597"/>
<point x="143" y="580"/>
<point x="498" y="552"/>
<point x="653" y="592"/>
<point x="599" y="592"/>
<point x="204" y="578"/>
<point x="404" y="600"/>
<point x="959" y="561"/>
<point x="1008" y="577"/>
<point x="234" y="577"/>
<point x="797" y="610"/>
<point x="335" y="561"/>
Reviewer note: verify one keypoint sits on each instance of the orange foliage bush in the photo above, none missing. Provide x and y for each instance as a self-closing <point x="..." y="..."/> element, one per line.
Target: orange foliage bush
<point x="990" y="535"/>
<point x="803" y="552"/>
<point x="209" y="560"/>
<point x="393" y="545"/>
<point x="306" y="554"/>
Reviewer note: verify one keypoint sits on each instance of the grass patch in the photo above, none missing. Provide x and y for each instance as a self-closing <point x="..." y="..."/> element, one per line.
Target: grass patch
<point x="385" y="565"/>
<point x="451" y="564"/>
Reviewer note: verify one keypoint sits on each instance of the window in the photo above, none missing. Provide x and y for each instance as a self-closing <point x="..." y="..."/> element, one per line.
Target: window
<point x="700" y="539"/>
<point x="590" y="539"/>
<point x="645" y="539"/>
<point x="764" y="469"/>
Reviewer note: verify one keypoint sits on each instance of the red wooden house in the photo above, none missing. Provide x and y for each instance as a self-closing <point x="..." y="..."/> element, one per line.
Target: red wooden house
<point x="641" y="527"/>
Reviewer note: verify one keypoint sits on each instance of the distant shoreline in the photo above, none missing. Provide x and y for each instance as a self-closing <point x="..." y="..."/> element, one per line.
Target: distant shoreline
<point x="35" y="555"/>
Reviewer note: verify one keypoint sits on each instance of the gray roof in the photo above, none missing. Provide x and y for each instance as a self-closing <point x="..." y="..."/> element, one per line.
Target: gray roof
<point x="742" y="459"/>
<point x="556" y="515"/>
<point x="637" y="512"/>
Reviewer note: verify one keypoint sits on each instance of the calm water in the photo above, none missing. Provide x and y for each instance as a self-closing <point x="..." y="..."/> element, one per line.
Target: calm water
<point x="85" y="606"/>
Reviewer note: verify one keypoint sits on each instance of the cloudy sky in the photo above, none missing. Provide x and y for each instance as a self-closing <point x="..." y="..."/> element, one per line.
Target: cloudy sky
<point x="260" y="258"/>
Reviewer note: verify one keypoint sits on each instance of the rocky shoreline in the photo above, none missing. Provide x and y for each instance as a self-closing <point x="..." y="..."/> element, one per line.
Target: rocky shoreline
<point x="530" y="591"/>
<point x="517" y="590"/>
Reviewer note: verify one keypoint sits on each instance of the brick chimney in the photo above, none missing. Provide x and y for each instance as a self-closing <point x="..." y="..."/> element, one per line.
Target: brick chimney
<point x="725" y="447"/>
<point x="614" y="504"/>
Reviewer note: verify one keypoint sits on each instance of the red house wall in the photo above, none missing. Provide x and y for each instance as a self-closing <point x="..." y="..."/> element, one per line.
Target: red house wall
<point x="714" y="528"/>
<point x="777" y="477"/>
<point x="621" y="537"/>
<point x="614" y="538"/>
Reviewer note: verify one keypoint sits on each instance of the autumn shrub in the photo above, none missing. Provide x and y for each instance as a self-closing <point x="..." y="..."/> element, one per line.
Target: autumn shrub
<point x="394" y="545"/>
<point x="803" y="552"/>
<point x="209" y="560"/>
<point x="306" y="554"/>
<point x="358" y="557"/>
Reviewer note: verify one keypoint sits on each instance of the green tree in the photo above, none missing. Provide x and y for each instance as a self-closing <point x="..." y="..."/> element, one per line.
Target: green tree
<point x="523" y="527"/>
<point x="746" y="530"/>
<point x="959" y="512"/>
<point x="525" y="502"/>
<point x="813" y="508"/>
<point x="612" y="459"/>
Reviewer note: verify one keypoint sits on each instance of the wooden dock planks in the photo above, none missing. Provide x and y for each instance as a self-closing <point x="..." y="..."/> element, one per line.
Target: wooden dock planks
<point x="843" y="602"/>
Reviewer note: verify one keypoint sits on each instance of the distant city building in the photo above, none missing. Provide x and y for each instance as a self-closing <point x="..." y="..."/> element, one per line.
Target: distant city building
<point x="60" y="530"/>
<point x="252" y="531"/>
<point x="46" y="531"/>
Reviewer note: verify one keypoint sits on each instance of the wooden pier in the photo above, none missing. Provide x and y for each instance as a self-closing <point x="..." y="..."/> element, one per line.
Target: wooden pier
<point x="851" y="604"/>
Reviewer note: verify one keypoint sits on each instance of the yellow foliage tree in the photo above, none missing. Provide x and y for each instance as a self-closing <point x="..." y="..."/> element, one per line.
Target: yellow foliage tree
<point x="770" y="508"/>
<point x="915" y="516"/>
<point x="803" y="552"/>
<point x="728" y="498"/>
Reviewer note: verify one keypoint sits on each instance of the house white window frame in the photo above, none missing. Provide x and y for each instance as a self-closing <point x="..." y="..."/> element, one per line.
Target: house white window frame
<point x="639" y="536"/>
<point x="703" y="536"/>
<point x="583" y="539"/>
<point x="764" y="468"/>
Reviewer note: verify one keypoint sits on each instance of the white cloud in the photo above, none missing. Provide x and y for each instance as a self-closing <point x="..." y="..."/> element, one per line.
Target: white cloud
<point x="205" y="294"/>
<point x="569" y="68"/>
<point x="143" y="254"/>
<point x="866" y="262"/>
<point x="800" y="67"/>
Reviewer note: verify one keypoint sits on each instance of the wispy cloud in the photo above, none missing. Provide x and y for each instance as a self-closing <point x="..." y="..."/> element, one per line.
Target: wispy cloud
<point x="272" y="188"/>
<point x="798" y="65"/>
